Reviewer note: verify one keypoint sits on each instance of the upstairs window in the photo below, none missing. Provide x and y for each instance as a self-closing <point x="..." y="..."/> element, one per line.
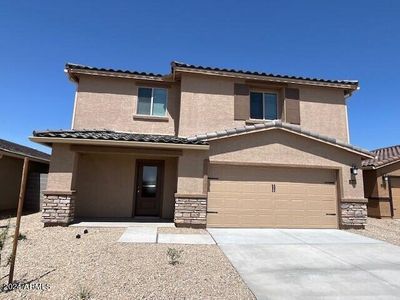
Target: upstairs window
<point x="263" y="106"/>
<point x="152" y="101"/>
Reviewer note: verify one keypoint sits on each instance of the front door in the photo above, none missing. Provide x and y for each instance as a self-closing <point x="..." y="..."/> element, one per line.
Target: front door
<point x="149" y="178"/>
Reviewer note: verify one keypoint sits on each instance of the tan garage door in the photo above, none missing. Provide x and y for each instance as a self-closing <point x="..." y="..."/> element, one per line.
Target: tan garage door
<point x="272" y="197"/>
<point x="395" y="184"/>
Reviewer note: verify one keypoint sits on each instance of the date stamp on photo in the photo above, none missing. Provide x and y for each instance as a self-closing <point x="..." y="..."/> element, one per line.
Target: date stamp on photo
<point x="7" y="287"/>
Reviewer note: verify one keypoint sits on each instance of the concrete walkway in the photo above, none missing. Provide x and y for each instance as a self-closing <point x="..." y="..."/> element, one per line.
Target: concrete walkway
<point x="312" y="264"/>
<point x="149" y="234"/>
<point x="120" y="224"/>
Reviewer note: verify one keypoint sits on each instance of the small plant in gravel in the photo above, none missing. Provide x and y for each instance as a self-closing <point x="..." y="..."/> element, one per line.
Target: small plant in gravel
<point x="22" y="237"/>
<point x="84" y="293"/>
<point x="173" y="256"/>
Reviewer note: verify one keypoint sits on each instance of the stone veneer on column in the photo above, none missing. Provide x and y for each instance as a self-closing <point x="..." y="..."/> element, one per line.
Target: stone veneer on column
<point x="353" y="213"/>
<point x="58" y="208"/>
<point x="190" y="211"/>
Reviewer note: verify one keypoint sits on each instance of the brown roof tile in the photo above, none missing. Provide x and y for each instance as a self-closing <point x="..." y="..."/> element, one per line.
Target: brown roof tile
<point x="197" y="67"/>
<point x="174" y="64"/>
<point x="383" y="156"/>
<point x="116" y="136"/>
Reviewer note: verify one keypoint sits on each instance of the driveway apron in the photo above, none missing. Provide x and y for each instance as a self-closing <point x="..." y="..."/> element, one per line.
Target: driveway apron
<point x="312" y="264"/>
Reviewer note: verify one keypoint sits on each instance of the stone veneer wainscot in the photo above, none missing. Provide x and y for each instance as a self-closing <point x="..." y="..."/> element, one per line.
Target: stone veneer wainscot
<point x="191" y="211"/>
<point x="353" y="213"/>
<point x="58" y="208"/>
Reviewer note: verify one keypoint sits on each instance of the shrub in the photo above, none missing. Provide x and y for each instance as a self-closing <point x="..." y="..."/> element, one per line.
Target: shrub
<point x="21" y="237"/>
<point x="174" y="256"/>
<point x="84" y="293"/>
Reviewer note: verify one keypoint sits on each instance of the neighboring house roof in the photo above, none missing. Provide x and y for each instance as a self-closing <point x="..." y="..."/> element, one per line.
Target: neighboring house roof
<point x="279" y="125"/>
<point x="74" y="69"/>
<point x="383" y="157"/>
<point x="23" y="151"/>
<point x="109" y="135"/>
<point x="280" y="76"/>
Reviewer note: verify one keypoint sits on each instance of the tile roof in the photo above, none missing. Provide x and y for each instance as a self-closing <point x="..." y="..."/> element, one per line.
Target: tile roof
<point x="174" y="64"/>
<point x="116" y="136"/>
<point x="276" y="124"/>
<point x="71" y="66"/>
<point x="383" y="157"/>
<point x="18" y="149"/>
<point x="197" y="67"/>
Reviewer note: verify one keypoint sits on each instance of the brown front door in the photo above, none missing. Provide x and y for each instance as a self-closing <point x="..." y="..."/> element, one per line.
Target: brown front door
<point x="149" y="178"/>
<point x="395" y="186"/>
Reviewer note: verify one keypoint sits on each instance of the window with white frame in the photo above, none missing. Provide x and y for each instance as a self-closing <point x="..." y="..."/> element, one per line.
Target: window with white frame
<point x="263" y="106"/>
<point x="152" y="101"/>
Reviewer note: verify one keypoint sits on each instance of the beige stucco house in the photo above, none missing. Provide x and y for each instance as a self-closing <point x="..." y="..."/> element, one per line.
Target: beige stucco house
<point x="206" y="147"/>
<point x="382" y="183"/>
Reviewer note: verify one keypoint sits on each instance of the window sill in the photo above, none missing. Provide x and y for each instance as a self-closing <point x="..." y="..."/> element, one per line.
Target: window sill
<point x="150" y="118"/>
<point x="259" y="121"/>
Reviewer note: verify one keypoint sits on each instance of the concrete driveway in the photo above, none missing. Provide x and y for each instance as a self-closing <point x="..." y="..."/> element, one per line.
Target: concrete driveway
<point x="312" y="264"/>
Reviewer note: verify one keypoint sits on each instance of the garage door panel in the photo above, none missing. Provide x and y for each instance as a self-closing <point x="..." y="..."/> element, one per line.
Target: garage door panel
<point x="255" y="221"/>
<point x="318" y="205"/>
<point x="320" y="220"/>
<point x="263" y="204"/>
<point x="247" y="200"/>
<point x="298" y="204"/>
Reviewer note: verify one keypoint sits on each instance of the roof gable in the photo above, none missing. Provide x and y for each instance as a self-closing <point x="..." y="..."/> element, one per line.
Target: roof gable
<point x="281" y="126"/>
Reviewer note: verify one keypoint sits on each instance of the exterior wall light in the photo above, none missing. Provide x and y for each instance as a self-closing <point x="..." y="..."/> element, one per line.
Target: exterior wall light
<point x="385" y="178"/>
<point x="354" y="170"/>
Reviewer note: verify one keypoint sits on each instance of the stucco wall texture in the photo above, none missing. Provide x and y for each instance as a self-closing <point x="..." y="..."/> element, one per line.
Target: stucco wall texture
<point x="111" y="103"/>
<point x="197" y="104"/>
<point x="277" y="147"/>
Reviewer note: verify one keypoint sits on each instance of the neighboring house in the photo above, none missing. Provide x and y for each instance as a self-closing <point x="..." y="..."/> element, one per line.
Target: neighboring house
<point x="382" y="183"/>
<point x="206" y="146"/>
<point x="11" y="161"/>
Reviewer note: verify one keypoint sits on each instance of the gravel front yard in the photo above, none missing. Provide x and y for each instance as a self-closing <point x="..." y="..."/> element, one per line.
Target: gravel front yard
<point x="387" y="230"/>
<point x="111" y="270"/>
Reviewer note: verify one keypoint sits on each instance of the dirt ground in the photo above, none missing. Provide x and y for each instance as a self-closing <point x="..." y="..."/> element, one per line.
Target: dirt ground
<point x="387" y="230"/>
<point x="95" y="264"/>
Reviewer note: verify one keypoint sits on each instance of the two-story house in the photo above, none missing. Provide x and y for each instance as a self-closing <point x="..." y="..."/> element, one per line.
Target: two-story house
<point x="206" y="147"/>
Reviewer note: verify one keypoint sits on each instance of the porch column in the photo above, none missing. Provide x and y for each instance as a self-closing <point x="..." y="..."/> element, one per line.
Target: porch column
<point x="191" y="196"/>
<point x="59" y="197"/>
<point x="353" y="205"/>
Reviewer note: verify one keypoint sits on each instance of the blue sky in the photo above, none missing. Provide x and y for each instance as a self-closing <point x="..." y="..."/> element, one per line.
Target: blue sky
<point x="328" y="39"/>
